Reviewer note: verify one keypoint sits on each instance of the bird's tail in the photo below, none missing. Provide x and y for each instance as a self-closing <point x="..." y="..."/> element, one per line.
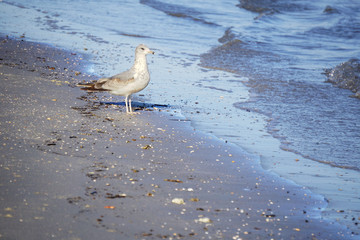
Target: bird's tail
<point x="90" y="87"/>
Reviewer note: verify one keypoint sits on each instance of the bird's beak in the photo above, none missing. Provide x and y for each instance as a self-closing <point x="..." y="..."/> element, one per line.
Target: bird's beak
<point x="152" y="52"/>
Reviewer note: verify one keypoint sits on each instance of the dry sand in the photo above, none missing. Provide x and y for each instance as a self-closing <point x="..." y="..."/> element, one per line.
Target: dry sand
<point x="75" y="168"/>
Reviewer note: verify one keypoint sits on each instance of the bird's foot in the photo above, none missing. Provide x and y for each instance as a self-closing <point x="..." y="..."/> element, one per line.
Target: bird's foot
<point x="132" y="113"/>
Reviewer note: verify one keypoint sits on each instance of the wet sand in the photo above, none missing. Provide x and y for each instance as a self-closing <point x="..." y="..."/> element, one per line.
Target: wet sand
<point x="74" y="167"/>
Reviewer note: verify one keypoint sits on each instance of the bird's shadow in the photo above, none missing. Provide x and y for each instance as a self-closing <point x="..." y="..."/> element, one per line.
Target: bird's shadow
<point x="138" y="105"/>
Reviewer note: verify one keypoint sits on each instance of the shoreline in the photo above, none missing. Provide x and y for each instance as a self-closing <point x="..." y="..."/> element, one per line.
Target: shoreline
<point x="111" y="173"/>
<point x="338" y="185"/>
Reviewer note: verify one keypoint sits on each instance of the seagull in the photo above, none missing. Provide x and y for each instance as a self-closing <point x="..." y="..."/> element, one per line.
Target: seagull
<point x="126" y="83"/>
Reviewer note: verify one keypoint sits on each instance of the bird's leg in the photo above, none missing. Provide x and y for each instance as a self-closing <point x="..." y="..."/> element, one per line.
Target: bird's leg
<point x="126" y="104"/>
<point x="130" y="108"/>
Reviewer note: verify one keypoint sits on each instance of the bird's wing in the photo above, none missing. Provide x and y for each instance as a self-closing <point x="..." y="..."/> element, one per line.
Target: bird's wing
<point x="116" y="81"/>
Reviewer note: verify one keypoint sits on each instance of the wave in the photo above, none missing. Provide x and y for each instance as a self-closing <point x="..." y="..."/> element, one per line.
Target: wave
<point x="272" y="6"/>
<point x="346" y="27"/>
<point x="287" y="93"/>
<point x="177" y="11"/>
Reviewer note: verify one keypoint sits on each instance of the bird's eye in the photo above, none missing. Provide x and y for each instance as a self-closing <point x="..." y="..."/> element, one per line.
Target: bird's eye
<point x="142" y="48"/>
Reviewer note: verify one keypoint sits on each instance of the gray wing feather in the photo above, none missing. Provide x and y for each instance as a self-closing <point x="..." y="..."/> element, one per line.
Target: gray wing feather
<point x="116" y="81"/>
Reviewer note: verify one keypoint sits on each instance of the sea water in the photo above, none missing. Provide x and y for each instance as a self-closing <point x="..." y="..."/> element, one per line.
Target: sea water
<point x="249" y="72"/>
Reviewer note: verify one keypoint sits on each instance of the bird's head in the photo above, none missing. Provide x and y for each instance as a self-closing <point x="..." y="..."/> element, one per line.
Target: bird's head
<point x="143" y="49"/>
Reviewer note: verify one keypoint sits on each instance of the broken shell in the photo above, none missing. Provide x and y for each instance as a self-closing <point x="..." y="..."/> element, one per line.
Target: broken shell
<point x="178" y="201"/>
<point x="204" y="220"/>
<point x="147" y="147"/>
<point x="109" y="207"/>
<point x="173" y="180"/>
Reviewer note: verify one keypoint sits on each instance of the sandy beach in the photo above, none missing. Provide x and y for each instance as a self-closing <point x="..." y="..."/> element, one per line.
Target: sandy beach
<point x="74" y="167"/>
